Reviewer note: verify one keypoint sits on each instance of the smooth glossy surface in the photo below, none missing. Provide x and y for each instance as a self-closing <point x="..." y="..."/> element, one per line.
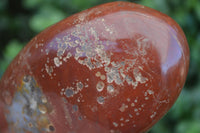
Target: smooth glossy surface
<point x="115" y="68"/>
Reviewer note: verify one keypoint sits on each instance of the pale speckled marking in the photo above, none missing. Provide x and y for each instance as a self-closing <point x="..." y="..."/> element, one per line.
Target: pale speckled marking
<point x="98" y="74"/>
<point x="100" y="86"/>
<point x="121" y="124"/>
<point x="132" y="104"/>
<point x="153" y="115"/>
<point x="123" y="107"/>
<point x="103" y="77"/>
<point x="135" y="109"/>
<point x="57" y="62"/>
<point x="135" y="100"/>
<point x="115" y="124"/>
<point x="127" y="120"/>
<point x="130" y="115"/>
<point x="110" y="89"/>
<point x="137" y="113"/>
<point x="150" y="92"/>
<point x="100" y="100"/>
<point x="94" y="108"/>
<point x="49" y="69"/>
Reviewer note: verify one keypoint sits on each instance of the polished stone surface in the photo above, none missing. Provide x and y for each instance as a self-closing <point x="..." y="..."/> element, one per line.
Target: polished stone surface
<point x="114" y="68"/>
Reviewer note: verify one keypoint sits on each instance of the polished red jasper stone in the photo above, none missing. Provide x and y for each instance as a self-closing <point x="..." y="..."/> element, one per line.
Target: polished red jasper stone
<point x="114" y="68"/>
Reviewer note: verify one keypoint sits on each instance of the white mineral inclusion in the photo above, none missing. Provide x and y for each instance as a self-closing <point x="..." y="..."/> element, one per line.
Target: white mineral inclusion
<point x="57" y="62"/>
<point x="98" y="74"/>
<point x="100" y="100"/>
<point x="132" y="104"/>
<point x="79" y="86"/>
<point x="110" y="88"/>
<point x="153" y="115"/>
<point x="115" y="124"/>
<point x="103" y="77"/>
<point x="123" y="107"/>
<point x="100" y="85"/>
<point x="150" y="92"/>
